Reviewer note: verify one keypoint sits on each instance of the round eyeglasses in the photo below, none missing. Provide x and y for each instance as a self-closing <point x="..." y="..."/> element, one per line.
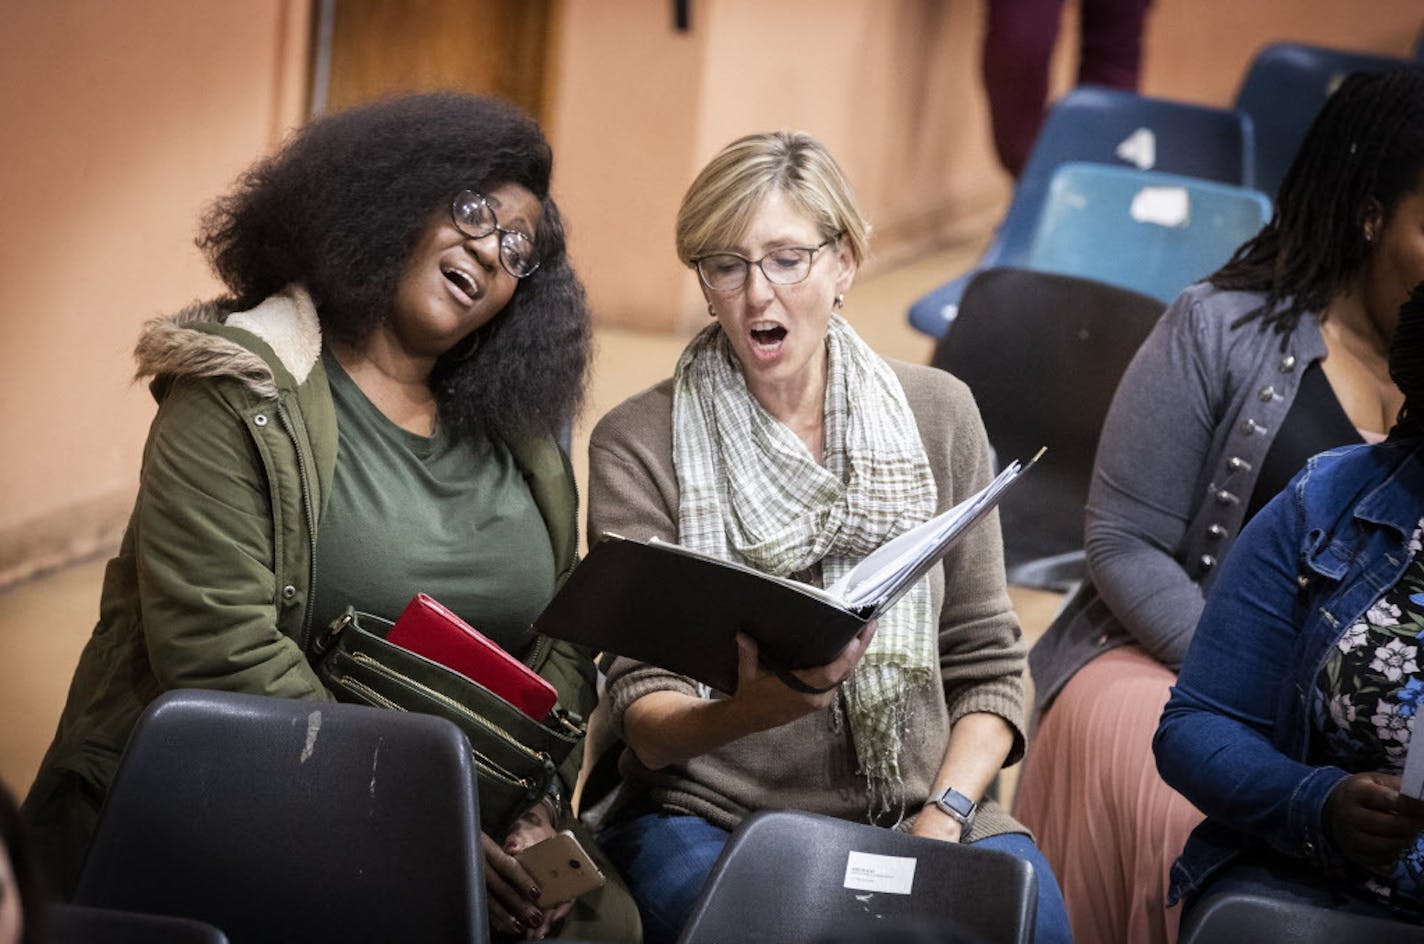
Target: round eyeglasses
<point x="475" y="218"/>
<point x="728" y="271"/>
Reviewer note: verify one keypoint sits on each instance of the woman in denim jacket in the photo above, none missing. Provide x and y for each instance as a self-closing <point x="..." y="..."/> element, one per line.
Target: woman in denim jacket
<point x="1292" y="717"/>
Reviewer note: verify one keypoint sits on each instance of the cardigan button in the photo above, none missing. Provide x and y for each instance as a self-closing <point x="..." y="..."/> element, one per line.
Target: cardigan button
<point x="1207" y="562"/>
<point x="260" y="419"/>
<point x="1303" y="580"/>
<point x="1238" y="464"/>
<point x="1216" y="531"/>
<point x="1268" y="393"/>
<point x="1288" y="363"/>
<point x="1249" y="426"/>
<point x="1223" y="497"/>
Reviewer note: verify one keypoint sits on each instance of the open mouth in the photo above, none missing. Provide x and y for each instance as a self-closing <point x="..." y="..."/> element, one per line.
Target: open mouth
<point x="768" y="336"/>
<point x="767" y="339"/>
<point x="462" y="281"/>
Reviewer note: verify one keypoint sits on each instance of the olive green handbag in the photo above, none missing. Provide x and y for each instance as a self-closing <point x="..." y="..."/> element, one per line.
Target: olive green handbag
<point x="516" y="756"/>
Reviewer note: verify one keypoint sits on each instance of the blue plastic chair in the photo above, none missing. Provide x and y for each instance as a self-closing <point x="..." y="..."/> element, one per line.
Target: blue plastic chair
<point x="1105" y="126"/>
<point x="1152" y="233"/>
<point x="1284" y="89"/>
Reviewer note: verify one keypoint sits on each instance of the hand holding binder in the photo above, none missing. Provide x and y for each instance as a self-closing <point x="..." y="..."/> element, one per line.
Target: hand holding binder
<point x="664" y="604"/>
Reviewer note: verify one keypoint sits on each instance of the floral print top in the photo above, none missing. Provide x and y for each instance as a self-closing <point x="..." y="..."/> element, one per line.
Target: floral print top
<point x="1366" y="696"/>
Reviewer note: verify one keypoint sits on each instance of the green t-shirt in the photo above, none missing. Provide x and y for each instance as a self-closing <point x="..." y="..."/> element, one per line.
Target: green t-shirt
<point x="444" y="515"/>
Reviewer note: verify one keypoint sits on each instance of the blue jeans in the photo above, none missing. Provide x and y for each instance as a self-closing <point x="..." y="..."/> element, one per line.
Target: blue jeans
<point x="666" y="859"/>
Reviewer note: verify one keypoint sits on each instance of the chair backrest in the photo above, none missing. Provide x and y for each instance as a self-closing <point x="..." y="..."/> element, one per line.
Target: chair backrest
<point x="1235" y="918"/>
<point x="1150" y="232"/>
<point x="796" y="878"/>
<point x="1043" y="354"/>
<point x="1123" y="129"/>
<point x="277" y="819"/>
<point x="76" y="924"/>
<point x="1111" y="127"/>
<point x="1284" y="89"/>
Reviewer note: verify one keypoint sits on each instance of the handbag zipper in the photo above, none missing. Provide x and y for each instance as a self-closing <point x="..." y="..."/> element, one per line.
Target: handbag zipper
<point x="450" y="703"/>
<point x="366" y="691"/>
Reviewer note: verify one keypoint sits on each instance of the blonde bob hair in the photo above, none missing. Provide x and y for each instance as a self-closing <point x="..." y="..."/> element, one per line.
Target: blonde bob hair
<point x="718" y="208"/>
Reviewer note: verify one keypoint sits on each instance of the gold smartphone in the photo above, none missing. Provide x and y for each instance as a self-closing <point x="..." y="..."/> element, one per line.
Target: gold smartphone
<point x="561" y="867"/>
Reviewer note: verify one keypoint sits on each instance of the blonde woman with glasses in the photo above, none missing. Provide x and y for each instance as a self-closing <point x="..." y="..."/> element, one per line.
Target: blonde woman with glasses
<point x="784" y="443"/>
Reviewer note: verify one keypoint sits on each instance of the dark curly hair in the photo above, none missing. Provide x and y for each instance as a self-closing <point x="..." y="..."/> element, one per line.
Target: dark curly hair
<point x="1366" y="144"/>
<point x="341" y="206"/>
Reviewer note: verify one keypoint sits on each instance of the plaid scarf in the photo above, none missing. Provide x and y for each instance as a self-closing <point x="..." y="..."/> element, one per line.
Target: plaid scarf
<point x="752" y="493"/>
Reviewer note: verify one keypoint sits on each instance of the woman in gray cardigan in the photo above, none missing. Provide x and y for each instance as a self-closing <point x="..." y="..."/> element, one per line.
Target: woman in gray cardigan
<point x="1280" y="354"/>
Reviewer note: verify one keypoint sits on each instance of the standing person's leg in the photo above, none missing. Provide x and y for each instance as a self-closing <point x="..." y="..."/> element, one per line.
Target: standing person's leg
<point x="1111" y="42"/>
<point x="665" y="860"/>
<point x="1051" y="920"/>
<point x="1019" y="36"/>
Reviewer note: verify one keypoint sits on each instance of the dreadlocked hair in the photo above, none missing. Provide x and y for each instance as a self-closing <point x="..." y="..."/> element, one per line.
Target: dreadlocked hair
<point x="1367" y="144"/>
<point x="1406" y="364"/>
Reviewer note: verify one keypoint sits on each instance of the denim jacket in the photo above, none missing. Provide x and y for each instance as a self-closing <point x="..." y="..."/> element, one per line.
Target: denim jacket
<point x="1235" y="734"/>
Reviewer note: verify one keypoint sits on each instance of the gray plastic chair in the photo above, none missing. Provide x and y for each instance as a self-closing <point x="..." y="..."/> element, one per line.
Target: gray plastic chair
<point x="782" y="878"/>
<point x="1251" y="919"/>
<point x="1043" y="354"/>
<point x="275" y="819"/>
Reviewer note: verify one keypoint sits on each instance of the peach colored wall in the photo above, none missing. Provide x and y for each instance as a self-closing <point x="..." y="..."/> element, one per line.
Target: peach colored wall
<point x="890" y="86"/>
<point x="1199" y="50"/>
<point x="122" y="120"/>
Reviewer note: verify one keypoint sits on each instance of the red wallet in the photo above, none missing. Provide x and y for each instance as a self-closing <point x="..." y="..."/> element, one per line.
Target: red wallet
<point x="430" y="630"/>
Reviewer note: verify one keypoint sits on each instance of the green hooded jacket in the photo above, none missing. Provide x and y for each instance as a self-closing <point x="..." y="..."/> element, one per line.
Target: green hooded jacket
<point x="212" y="585"/>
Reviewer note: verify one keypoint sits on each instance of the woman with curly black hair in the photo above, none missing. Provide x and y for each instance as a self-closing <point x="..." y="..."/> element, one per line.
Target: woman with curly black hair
<point x="371" y="412"/>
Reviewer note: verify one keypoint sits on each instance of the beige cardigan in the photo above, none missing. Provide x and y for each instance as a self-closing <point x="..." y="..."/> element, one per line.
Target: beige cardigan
<point x="807" y="764"/>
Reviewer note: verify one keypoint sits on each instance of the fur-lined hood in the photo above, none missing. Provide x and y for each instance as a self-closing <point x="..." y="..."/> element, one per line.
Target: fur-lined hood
<point x="197" y="342"/>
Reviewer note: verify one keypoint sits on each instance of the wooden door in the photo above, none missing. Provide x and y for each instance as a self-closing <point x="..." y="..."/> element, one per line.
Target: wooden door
<point x="380" y="47"/>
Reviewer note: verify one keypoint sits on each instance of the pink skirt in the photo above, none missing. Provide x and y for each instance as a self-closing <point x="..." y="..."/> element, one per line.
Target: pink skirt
<point x="1090" y="792"/>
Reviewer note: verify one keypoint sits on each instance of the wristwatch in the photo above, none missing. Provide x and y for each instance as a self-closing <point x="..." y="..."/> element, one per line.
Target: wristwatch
<point x="956" y="805"/>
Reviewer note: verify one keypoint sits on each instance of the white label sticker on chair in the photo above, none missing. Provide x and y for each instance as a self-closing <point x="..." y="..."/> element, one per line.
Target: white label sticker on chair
<point x="1163" y="206"/>
<point x="1139" y="149"/>
<point x="868" y="872"/>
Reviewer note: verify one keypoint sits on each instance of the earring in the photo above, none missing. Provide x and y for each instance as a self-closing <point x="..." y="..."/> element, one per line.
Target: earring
<point x="839" y="303"/>
<point x="711" y="312"/>
<point x="472" y="344"/>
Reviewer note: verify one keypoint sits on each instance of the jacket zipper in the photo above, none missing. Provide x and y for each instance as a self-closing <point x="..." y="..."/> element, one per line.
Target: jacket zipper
<point x="572" y="546"/>
<point x="305" y="639"/>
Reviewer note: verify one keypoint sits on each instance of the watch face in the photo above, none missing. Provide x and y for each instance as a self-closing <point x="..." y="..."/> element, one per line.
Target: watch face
<point x="957" y="802"/>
